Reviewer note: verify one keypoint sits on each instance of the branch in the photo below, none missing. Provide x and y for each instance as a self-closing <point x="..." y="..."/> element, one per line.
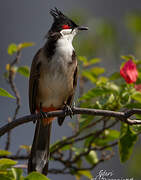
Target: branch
<point x="16" y="93"/>
<point x="122" y="116"/>
<point x="12" y="83"/>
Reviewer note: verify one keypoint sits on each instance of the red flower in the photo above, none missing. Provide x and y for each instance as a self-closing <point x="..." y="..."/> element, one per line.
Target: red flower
<point x="129" y="72"/>
<point x="138" y="87"/>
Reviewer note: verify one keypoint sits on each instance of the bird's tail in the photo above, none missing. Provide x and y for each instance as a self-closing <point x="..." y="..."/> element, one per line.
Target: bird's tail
<point x="39" y="156"/>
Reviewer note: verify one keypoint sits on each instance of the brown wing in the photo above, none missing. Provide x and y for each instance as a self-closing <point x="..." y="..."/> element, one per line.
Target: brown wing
<point x="75" y="77"/>
<point x="33" y="82"/>
<point x="70" y="99"/>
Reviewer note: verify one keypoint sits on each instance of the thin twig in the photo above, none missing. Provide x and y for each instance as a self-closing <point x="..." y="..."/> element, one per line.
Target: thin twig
<point x="16" y="93"/>
<point x="7" y="145"/>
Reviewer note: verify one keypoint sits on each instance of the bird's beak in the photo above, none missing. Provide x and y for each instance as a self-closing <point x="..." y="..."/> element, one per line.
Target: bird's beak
<point x="81" y="28"/>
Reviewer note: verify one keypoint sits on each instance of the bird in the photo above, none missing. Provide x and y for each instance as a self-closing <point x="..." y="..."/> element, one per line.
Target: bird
<point x="52" y="84"/>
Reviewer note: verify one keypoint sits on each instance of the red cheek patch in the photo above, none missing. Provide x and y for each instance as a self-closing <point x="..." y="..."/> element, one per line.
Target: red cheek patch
<point x="65" y="26"/>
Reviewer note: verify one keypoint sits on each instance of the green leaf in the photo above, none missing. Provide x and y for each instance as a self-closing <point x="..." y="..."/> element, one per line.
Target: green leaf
<point x="128" y="57"/>
<point x="4" y="153"/>
<point x="86" y="173"/>
<point x="107" y="137"/>
<point x="85" y="120"/>
<point x="78" y="150"/>
<point x="113" y="87"/>
<point x="36" y="175"/>
<point x="127" y="141"/>
<point x="133" y="105"/>
<point x="92" y="157"/>
<point x="24" y="70"/>
<point x="91" y="62"/>
<point x="25" y="45"/>
<point x="5" y="93"/>
<point x="97" y="70"/>
<point x="88" y="141"/>
<point x="94" y="61"/>
<point x="87" y="62"/>
<point x="137" y="96"/>
<point x="6" y="176"/>
<point x="102" y="80"/>
<point x="6" y="163"/>
<point x="139" y="76"/>
<point x="111" y="99"/>
<point x="138" y="61"/>
<point x="138" y="116"/>
<point x="89" y="75"/>
<point x="112" y="134"/>
<point x="99" y="91"/>
<point x="54" y="146"/>
<point x="12" y="48"/>
<point x="83" y="59"/>
<point x="65" y="148"/>
<point x="122" y="64"/>
<point x="115" y="76"/>
<point x="93" y="93"/>
<point x="17" y="173"/>
<point x="136" y="128"/>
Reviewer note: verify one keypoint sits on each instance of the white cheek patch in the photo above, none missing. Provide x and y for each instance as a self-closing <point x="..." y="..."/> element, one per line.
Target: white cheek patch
<point x="66" y="32"/>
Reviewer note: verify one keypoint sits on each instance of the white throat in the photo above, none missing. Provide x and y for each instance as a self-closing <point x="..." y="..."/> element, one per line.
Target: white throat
<point x="64" y="47"/>
<point x="68" y="34"/>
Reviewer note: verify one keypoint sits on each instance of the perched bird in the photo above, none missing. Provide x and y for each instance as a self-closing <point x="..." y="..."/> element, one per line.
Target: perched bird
<point x="52" y="84"/>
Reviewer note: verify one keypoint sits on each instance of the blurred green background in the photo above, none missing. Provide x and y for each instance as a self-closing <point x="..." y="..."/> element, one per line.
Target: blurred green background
<point x="105" y="41"/>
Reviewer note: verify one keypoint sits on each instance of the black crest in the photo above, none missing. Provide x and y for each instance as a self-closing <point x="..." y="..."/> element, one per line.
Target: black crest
<point x="59" y="20"/>
<point x="57" y="14"/>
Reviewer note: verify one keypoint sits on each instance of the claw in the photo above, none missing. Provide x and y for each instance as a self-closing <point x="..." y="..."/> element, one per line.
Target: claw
<point x="42" y="113"/>
<point x="68" y="110"/>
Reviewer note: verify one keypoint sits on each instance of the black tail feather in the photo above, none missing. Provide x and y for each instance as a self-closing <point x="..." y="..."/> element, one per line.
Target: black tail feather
<point x="39" y="156"/>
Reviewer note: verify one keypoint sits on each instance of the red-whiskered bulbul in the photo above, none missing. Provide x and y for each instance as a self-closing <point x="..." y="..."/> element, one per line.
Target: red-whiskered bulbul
<point x="52" y="84"/>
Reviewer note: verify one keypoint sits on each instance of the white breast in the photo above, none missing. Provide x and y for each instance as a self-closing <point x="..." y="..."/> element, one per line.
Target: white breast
<point x="55" y="81"/>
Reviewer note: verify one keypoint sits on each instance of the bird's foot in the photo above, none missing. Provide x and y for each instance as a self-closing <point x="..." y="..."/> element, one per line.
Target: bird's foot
<point x="43" y="114"/>
<point x="68" y="110"/>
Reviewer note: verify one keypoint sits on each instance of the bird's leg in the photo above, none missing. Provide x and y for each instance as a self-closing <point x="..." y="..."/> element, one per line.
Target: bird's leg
<point x="68" y="110"/>
<point x="42" y="113"/>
